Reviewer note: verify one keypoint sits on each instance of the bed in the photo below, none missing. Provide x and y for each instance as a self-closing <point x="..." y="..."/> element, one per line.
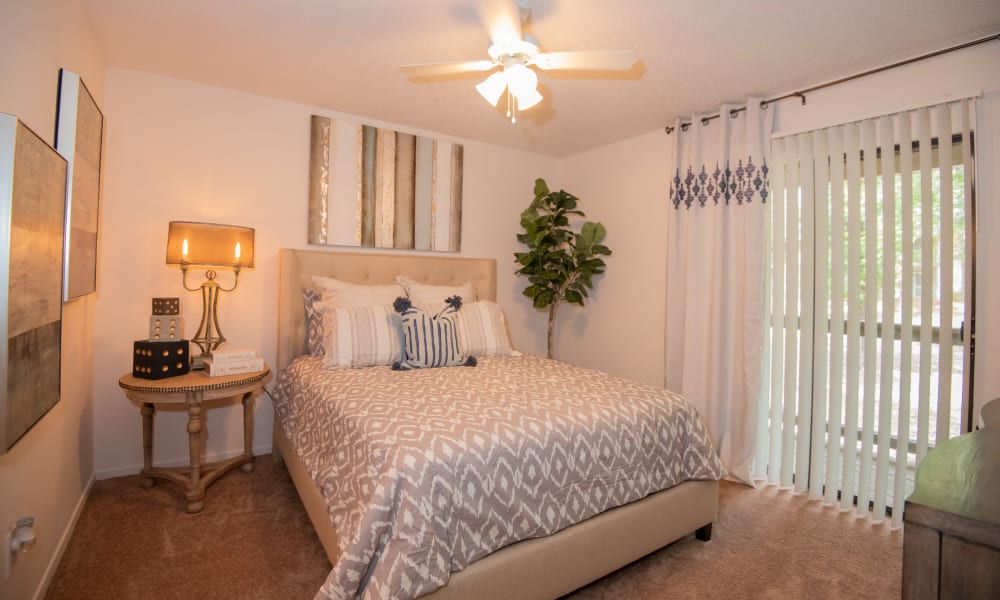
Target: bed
<point x="542" y="567"/>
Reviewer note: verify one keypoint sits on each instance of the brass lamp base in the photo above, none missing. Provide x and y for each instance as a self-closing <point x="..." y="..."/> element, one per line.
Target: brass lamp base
<point x="209" y="335"/>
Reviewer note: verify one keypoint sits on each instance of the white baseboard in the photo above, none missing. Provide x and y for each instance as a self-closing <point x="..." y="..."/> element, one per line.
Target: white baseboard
<point x="177" y="462"/>
<point x="50" y="570"/>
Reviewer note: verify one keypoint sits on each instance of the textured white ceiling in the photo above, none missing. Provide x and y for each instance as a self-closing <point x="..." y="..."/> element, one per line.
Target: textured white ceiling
<point x="694" y="55"/>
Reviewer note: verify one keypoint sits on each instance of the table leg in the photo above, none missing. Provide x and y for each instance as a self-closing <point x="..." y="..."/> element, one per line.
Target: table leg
<point x="248" y="404"/>
<point x="196" y="491"/>
<point x="147" y="445"/>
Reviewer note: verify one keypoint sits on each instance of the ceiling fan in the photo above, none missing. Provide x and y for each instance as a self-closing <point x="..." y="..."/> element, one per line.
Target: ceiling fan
<point x="512" y="53"/>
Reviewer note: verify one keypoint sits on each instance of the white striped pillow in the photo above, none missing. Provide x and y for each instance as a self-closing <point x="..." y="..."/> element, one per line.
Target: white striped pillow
<point x="360" y="336"/>
<point x="355" y="294"/>
<point x="483" y="329"/>
<point x="431" y="298"/>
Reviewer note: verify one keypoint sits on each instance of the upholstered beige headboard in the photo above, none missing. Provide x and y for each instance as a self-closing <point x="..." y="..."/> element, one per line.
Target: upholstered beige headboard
<point x="297" y="266"/>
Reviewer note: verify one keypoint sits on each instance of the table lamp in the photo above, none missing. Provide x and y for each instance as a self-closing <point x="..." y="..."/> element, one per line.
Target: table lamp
<point x="209" y="246"/>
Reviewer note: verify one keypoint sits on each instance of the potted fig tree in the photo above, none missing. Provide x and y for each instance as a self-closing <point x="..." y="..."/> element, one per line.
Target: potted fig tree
<point x="560" y="262"/>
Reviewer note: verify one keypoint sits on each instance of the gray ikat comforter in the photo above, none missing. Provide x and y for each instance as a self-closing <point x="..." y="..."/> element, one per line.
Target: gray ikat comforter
<point x="427" y="471"/>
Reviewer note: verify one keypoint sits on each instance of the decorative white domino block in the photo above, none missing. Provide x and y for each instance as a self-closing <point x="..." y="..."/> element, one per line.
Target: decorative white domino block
<point x="165" y="328"/>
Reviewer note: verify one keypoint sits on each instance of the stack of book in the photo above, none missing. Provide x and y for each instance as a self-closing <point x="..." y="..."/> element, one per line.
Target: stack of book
<point x="233" y="362"/>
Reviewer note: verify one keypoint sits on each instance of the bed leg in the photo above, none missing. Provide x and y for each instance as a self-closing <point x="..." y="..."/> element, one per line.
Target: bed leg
<point x="704" y="533"/>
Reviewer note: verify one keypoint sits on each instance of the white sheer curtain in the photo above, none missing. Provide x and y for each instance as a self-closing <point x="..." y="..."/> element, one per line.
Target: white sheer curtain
<point x="715" y="251"/>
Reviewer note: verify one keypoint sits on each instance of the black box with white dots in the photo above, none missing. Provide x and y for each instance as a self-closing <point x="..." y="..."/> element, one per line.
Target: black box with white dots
<point x="158" y="360"/>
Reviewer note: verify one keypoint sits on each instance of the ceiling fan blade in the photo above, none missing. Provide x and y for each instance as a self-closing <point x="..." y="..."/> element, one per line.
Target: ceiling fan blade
<point x="448" y="68"/>
<point x="503" y="20"/>
<point x="589" y="60"/>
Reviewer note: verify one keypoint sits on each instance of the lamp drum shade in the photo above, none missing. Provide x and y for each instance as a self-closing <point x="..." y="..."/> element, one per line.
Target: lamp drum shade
<point x="209" y="244"/>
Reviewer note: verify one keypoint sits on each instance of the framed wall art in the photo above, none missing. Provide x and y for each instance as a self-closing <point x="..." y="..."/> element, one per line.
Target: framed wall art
<point x="79" y="134"/>
<point x="32" y="219"/>
<point x="380" y="188"/>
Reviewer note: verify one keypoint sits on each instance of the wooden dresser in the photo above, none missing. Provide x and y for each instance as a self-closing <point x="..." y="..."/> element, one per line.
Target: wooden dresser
<point x="951" y="536"/>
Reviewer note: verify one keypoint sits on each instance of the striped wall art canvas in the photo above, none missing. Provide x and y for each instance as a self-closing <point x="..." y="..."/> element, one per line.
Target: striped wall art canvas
<point x="379" y="188"/>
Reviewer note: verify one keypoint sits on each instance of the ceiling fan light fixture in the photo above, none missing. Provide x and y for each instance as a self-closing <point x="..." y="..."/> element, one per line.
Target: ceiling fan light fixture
<point x="526" y="100"/>
<point x="518" y="48"/>
<point x="521" y="80"/>
<point x="515" y="55"/>
<point x="492" y="87"/>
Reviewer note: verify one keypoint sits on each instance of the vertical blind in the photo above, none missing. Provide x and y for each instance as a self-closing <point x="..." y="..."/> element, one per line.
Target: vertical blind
<point x="863" y="301"/>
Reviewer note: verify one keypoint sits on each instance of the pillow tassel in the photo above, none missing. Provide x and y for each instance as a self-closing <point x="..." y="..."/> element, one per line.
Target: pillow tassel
<point x="401" y="304"/>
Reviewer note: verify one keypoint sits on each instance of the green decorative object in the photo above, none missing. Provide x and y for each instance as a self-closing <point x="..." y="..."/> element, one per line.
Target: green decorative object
<point x="560" y="263"/>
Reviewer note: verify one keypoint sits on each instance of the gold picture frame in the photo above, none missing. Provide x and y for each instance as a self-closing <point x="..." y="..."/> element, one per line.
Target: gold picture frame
<point x="32" y="220"/>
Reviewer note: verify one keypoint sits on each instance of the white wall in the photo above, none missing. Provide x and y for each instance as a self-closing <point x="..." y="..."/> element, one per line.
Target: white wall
<point x="183" y="151"/>
<point x="47" y="473"/>
<point x="620" y="330"/>
<point x="625" y="185"/>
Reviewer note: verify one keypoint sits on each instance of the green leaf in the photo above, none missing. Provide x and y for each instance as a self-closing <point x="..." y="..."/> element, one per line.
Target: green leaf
<point x="564" y="201"/>
<point x="593" y="264"/>
<point x="532" y="290"/>
<point x="541" y="188"/>
<point x="522" y="258"/>
<point x="543" y="299"/>
<point x="592" y="233"/>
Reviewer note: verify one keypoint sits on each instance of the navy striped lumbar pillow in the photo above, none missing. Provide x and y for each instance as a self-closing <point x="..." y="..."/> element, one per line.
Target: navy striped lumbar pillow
<point x="431" y="341"/>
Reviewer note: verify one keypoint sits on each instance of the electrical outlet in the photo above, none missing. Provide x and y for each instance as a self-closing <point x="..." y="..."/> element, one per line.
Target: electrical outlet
<point x="20" y="538"/>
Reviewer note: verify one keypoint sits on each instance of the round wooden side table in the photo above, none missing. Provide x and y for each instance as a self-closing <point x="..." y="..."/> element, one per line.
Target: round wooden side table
<point x="192" y="390"/>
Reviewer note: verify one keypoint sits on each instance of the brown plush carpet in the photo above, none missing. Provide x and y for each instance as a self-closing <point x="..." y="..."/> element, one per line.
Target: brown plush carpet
<point x="253" y="540"/>
<point x="768" y="543"/>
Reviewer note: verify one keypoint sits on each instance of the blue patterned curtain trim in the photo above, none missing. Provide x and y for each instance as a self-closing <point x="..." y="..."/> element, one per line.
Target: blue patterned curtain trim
<point x="744" y="184"/>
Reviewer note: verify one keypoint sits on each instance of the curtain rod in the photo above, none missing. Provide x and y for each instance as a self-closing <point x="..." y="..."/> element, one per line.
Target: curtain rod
<point x="801" y="94"/>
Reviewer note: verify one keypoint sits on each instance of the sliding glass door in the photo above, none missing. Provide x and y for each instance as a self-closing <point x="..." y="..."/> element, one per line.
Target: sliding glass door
<point x="868" y="288"/>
